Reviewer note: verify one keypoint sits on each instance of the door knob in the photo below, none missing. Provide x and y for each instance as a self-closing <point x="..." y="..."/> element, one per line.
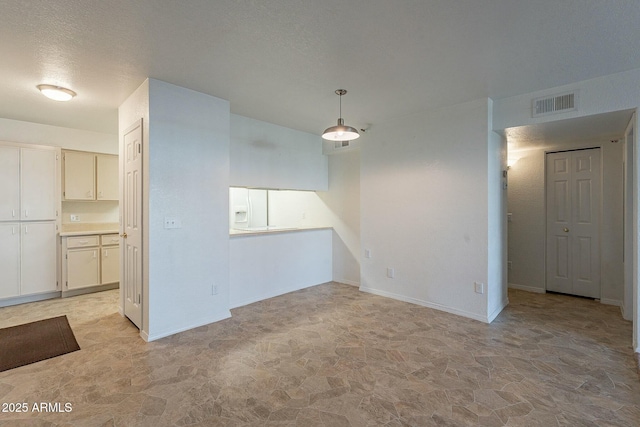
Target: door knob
<point x="566" y="230"/>
<point x="125" y="235"/>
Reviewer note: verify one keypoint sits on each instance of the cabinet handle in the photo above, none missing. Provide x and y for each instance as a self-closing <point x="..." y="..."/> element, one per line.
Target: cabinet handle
<point x="83" y="242"/>
<point x="100" y="194"/>
<point x="26" y="229"/>
<point x="106" y="253"/>
<point x="13" y="213"/>
<point x="13" y="230"/>
<point x="90" y="193"/>
<point x="26" y="213"/>
<point x="94" y="254"/>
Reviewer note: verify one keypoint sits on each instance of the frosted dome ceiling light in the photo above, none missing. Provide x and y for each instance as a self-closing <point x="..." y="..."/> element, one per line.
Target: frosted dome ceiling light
<point x="340" y="132"/>
<point x="56" y="93"/>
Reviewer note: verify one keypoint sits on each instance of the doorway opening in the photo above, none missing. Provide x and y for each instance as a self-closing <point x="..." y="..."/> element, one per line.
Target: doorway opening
<point x="527" y="200"/>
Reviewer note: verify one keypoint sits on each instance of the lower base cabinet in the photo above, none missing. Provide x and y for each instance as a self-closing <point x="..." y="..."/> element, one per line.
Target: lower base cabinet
<point x="83" y="268"/>
<point x="90" y="261"/>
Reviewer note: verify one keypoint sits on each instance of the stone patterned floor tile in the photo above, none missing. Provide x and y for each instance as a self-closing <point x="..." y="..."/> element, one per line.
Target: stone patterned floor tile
<point x="331" y="356"/>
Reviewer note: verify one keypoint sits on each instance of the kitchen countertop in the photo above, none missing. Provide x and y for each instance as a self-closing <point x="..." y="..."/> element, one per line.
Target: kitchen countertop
<point x="89" y="228"/>
<point x="274" y="230"/>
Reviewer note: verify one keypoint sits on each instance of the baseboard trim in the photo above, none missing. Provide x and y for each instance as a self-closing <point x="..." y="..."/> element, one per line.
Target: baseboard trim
<point x="427" y="304"/>
<point x="498" y="310"/>
<point x="148" y="338"/>
<point x="29" y="298"/>
<point x="609" y="301"/>
<point x="347" y="282"/>
<point x="526" y="288"/>
<point x="90" y="290"/>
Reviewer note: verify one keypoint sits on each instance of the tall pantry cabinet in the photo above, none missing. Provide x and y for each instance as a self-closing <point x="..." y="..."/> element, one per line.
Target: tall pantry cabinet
<point x="28" y="220"/>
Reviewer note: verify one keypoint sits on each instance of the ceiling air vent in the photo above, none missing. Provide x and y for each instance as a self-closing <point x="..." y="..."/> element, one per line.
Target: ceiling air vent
<point x="341" y="144"/>
<point x="554" y="104"/>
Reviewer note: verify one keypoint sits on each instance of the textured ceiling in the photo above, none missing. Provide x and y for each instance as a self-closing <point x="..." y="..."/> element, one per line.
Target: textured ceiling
<point x="281" y="60"/>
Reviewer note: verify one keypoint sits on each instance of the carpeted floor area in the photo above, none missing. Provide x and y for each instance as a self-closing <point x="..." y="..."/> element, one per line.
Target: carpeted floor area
<point x="333" y="356"/>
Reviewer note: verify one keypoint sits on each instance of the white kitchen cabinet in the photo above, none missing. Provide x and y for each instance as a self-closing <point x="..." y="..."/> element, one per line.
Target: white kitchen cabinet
<point x="83" y="268"/>
<point x="79" y="172"/>
<point x="38" y="269"/>
<point x="90" y="261"/>
<point x="107" y="177"/>
<point x="27" y="258"/>
<point x="90" y="176"/>
<point x="9" y="260"/>
<point x="28" y="190"/>
<point x="110" y="259"/>
<point x="10" y="187"/>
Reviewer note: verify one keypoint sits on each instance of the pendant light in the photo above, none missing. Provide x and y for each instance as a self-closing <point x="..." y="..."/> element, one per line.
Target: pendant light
<point x="340" y="132"/>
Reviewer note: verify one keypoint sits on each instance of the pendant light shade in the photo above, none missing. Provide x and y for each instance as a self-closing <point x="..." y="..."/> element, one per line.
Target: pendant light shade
<point x="340" y="132"/>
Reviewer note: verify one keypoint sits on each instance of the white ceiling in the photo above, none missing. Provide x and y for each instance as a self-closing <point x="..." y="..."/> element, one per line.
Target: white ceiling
<point x="281" y="60"/>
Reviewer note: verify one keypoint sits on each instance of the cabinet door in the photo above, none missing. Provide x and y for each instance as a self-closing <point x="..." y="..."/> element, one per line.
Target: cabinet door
<point x="9" y="183"/>
<point x="110" y="260"/>
<point x="38" y="189"/>
<point x="38" y="268"/>
<point x="79" y="176"/>
<point x="83" y="268"/>
<point x="9" y="260"/>
<point x="107" y="177"/>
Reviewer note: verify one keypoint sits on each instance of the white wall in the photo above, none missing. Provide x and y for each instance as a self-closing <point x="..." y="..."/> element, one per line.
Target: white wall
<point x="527" y="231"/>
<point x="497" y="297"/>
<point x="72" y="139"/>
<point x="187" y="177"/>
<point x="101" y="211"/>
<point x="424" y="208"/>
<point x="342" y="203"/>
<point x="268" y="265"/>
<point x="265" y="155"/>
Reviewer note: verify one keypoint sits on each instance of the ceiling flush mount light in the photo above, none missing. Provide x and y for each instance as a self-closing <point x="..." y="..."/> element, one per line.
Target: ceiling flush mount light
<point x="56" y="93"/>
<point x="340" y="132"/>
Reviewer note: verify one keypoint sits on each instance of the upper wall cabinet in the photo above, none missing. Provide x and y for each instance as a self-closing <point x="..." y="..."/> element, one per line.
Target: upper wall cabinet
<point x="27" y="183"/>
<point x="89" y="176"/>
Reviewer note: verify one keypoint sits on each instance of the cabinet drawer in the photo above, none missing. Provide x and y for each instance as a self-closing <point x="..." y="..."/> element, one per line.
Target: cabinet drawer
<point x="82" y="241"/>
<point x="110" y="239"/>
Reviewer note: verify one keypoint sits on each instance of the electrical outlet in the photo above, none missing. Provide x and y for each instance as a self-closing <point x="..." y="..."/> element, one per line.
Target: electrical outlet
<point x="391" y="272"/>
<point x="172" y="222"/>
<point x="74" y="218"/>
<point x="214" y="289"/>
<point x="509" y="265"/>
<point x="367" y="253"/>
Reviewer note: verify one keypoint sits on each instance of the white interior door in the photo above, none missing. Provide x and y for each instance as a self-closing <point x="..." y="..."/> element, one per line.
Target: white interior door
<point x="131" y="246"/>
<point x="573" y="186"/>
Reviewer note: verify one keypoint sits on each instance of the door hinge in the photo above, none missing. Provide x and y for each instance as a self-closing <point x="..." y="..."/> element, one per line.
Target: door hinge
<point x="66" y="256"/>
<point x="66" y="284"/>
<point x="139" y="298"/>
<point x="139" y="148"/>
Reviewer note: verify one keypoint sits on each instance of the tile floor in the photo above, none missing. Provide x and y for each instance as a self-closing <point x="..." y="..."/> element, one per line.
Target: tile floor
<point x="333" y="356"/>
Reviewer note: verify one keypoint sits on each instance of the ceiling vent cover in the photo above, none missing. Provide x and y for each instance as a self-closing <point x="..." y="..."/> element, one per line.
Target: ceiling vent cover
<point x="555" y="104"/>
